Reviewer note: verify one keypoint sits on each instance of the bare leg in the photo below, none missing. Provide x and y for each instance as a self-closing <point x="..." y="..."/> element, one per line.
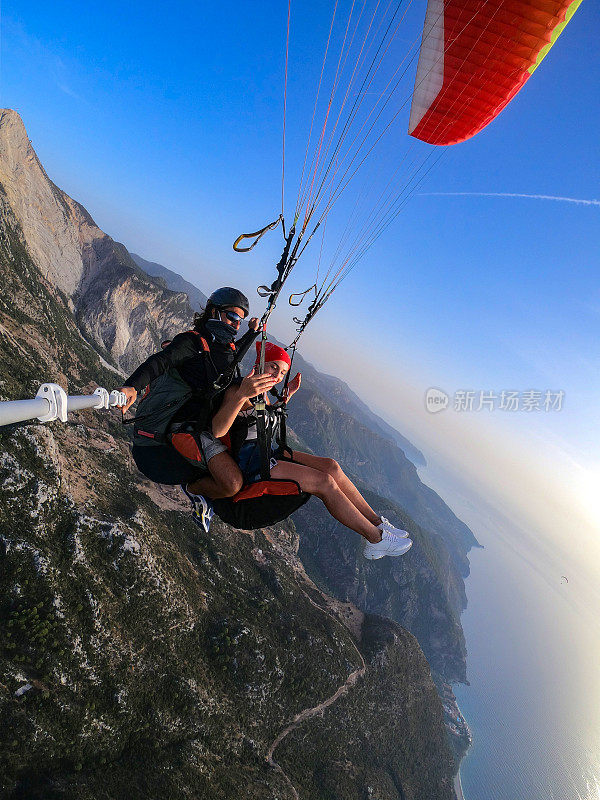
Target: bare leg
<point x="324" y="487"/>
<point x="331" y="467"/>
<point x="225" y="478"/>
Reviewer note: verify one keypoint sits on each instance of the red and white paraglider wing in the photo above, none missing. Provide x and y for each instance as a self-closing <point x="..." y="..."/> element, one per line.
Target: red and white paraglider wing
<point x="475" y="56"/>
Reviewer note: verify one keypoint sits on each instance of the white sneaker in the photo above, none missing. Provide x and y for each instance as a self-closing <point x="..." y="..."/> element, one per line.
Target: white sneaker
<point x="390" y="545"/>
<point x="386" y="525"/>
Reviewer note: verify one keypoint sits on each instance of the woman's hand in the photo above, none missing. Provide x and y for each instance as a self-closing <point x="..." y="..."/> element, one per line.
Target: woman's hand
<point x="253" y="323"/>
<point x="236" y="398"/>
<point x="254" y="385"/>
<point x="293" y="386"/>
<point x="131" y="396"/>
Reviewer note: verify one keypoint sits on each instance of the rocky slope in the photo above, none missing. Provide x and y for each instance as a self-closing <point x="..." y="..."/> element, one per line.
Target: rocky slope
<point x="380" y="464"/>
<point x="422" y="593"/>
<point x="131" y="641"/>
<point x="173" y="281"/>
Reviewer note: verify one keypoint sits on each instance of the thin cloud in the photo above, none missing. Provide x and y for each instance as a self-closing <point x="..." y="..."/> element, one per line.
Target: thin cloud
<point x="67" y="90"/>
<point x="576" y="200"/>
<point x="43" y="58"/>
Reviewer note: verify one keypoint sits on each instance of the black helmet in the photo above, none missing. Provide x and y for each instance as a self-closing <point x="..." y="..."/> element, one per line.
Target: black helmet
<point x="227" y="297"/>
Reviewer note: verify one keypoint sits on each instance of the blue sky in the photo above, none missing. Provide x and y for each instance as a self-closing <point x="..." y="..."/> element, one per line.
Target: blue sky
<point x="166" y="125"/>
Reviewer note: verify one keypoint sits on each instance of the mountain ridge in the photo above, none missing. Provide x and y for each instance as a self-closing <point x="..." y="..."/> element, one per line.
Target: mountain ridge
<point x="173" y="281"/>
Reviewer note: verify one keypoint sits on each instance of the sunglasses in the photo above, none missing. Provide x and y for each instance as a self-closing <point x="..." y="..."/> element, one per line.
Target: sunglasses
<point x="232" y="316"/>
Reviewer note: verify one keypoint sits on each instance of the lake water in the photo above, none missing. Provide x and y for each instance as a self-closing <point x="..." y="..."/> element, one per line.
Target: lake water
<point x="533" y="643"/>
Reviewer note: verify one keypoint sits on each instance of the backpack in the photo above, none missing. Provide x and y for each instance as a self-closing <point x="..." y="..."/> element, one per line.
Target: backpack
<point x="162" y="400"/>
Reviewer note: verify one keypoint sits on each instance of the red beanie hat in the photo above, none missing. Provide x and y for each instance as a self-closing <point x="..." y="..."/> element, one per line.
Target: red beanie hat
<point x="273" y="353"/>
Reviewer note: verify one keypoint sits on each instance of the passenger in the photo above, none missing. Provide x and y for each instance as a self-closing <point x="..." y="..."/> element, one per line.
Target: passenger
<point x="186" y="452"/>
<point x="322" y="477"/>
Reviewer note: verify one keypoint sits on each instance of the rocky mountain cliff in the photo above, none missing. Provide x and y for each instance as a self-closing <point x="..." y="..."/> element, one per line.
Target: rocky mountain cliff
<point x="118" y="306"/>
<point x="141" y="659"/>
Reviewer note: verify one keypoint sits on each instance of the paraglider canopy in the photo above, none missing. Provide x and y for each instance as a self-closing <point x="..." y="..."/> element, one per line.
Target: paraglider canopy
<point x="475" y="56"/>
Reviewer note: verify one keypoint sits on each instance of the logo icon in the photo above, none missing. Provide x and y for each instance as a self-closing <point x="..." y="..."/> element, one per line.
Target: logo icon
<point x="436" y="400"/>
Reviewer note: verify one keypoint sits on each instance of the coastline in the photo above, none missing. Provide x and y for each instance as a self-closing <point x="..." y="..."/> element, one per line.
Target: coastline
<point x="458" y="787"/>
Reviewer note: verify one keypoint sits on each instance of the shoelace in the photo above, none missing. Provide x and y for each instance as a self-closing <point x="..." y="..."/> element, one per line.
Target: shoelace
<point x="394" y="537"/>
<point x="387" y="538"/>
<point x="387" y="525"/>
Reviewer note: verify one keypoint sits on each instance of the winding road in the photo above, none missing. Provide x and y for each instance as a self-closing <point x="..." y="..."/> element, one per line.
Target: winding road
<point x="307" y="713"/>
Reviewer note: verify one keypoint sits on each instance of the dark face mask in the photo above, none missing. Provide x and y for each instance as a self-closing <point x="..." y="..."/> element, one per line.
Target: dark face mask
<point x="223" y="333"/>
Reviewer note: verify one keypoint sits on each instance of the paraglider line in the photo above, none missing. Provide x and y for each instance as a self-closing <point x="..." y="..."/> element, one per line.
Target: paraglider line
<point x="300" y="200"/>
<point x="287" y="51"/>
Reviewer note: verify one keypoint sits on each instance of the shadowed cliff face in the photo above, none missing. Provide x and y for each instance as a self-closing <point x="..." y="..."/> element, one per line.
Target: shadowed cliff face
<point x="119" y="307"/>
<point x="154" y="650"/>
<point x="421" y="591"/>
<point x="380" y="464"/>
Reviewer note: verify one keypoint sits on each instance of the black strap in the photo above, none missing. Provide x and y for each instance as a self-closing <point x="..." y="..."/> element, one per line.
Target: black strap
<point x="273" y="290"/>
<point x="283" y="407"/>
<point x="264" y="443"/>
<point x="225" y="378"/>
<point x="272" y="293"/>
<point x="282" y="438"/>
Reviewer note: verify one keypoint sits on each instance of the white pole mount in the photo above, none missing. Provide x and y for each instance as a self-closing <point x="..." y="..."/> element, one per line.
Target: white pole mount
<point x="57" y="398"/>
<point x="117" y="398"/>
<point x="104" y="401"/>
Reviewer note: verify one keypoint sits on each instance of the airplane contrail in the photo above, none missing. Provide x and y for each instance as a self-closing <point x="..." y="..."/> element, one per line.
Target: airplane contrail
<point x="576" y="200"/>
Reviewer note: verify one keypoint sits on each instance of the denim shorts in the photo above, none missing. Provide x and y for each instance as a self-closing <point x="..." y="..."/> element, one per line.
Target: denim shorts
<point x="249" y="460"/>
